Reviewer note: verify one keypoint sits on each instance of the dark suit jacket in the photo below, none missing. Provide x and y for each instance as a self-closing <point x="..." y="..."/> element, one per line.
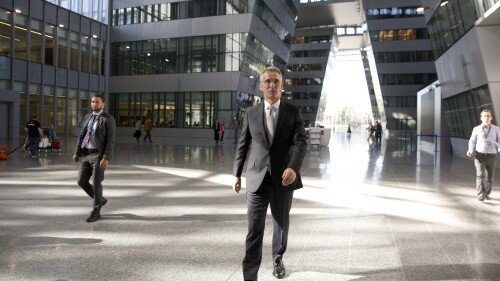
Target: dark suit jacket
<point x="286" y="151"/>
<point x="104" y="135"/>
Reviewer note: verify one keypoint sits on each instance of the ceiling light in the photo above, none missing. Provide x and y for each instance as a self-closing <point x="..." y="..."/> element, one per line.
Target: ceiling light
<point x="17" y="11"/>
<point x="61" y="25"/>
<point x="444" y="3"/>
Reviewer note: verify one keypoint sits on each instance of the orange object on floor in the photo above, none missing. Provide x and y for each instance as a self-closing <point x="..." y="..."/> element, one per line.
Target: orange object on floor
<point x="3" y="152"/>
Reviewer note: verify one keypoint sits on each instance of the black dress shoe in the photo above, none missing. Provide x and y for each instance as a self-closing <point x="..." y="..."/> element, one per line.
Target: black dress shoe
<point x="487" y="197"/>
<point x="481" y="198"/>
<point x="95" y="215"/>
<point x="104" y="201"/>
<point x="279" y="269"/>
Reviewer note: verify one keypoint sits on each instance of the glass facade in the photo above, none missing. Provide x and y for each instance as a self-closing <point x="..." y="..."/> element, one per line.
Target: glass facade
<point x="407" y="79"/>
<point x="45" y="37"/>
<point x="393" y="13"/>
<point x="212" y="53"/>
<point x="94" y="9"/>
<point x="396" y="57"/>
<point x="462" y="111"/>
<point x="172" y="110"/>
<point x="398" y="34"/>
<point x="452" y="20"/>
<point x="400" y="101"/>
<point x="200" y="8"/>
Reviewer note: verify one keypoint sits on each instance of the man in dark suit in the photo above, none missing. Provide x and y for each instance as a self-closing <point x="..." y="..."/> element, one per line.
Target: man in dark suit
<point x="275" y="131"/>
<point x="95" y="146"/>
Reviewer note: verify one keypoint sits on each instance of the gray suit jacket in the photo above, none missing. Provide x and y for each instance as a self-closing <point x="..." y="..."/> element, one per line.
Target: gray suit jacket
<point x="104" y="135"/>
<point x="286" y="151"/>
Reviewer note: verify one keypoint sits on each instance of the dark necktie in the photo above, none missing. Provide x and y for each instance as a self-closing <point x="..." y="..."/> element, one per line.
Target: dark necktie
<point x="90" y="127"/>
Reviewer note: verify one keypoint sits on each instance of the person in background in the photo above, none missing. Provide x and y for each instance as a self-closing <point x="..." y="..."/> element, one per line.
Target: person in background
<point x="378" y="131"/>
<point x="148" y="127"/>
<point x="34" y="134"/>
<point x="222" y="128"/>
<point x="484" y="142"/>
<point x="275" y="131"/>
<point x="138" y="128"/>
<point x="216" y="130"/>
<point x="95" y="148"/>
<point x="235" y="125"/>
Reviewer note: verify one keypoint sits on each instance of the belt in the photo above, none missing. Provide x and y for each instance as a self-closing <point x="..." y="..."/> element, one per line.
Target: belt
<point x="481" y="153"/>
<point x="90" y="151"/>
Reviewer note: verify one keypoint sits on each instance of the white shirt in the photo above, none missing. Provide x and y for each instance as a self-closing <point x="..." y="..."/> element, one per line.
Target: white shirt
<point x="485" y="139"/>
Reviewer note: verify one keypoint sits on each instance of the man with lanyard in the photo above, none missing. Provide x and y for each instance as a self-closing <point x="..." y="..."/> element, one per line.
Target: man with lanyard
<point x="484" y="141"/>
<point x="95" y="147"/>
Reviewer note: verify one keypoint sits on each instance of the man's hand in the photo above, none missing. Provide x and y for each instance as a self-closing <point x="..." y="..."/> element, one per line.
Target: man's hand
<point x="469" y="153"/>
<point x="104" y="163"/>
<point x="237" y="184"/>
<point x="75" y="158"/>
<point x="289" y="176"/>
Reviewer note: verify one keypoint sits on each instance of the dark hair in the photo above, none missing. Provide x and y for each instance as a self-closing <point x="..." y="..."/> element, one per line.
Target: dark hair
<point x="99" y="96"/>
<point x="34" y="116"/>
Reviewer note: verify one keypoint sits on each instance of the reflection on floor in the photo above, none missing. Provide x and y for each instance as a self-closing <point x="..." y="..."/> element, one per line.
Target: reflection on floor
<point x="368" y="212"/>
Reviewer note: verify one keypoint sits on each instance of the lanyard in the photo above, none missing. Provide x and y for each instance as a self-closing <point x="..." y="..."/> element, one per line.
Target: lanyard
<point x="486" y="134"/>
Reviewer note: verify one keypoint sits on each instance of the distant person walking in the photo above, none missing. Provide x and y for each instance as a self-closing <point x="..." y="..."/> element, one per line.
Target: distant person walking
<point x="378" y="131"/>
<point x="235" y="125"/>
<point x="216" y="130"/>
<point x="34" y="133"/>
<point x="484" y="142"/>
<point x="148" y="127"/>
<point x="138" y="128"/>
<point x="222" y="128"/>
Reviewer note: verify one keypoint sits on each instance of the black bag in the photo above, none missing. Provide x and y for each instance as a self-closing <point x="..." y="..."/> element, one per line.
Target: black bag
<point x="137" y="134"/>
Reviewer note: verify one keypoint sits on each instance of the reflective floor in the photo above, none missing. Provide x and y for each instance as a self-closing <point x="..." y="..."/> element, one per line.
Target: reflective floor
<point x="367" y="212"/>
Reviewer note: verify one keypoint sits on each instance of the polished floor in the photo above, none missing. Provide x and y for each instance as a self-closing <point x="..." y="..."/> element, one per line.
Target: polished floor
<point x="367" y="212"/>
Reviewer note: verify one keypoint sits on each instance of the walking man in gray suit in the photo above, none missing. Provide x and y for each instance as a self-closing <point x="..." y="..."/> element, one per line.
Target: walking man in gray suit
<point x="95" y="148"/>
<point x="275" y="131"/>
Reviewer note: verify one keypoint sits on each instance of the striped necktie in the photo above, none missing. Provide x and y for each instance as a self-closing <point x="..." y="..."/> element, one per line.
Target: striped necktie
<point x="90" y="128"/>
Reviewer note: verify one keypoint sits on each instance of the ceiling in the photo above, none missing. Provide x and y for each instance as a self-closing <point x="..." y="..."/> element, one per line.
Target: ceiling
<point x="333" y="13"/>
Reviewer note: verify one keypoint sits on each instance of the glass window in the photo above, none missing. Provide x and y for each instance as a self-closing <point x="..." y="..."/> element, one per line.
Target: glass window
<point x="74" y="51"/>
<point x="95" y="9"/>
<point x="48" y="107"/>
<point x="5" y="32"/>
<point x="62" y="43"/>
<point x="75" y="6"/>
<point x="64" y="4"/>
<point x="74" y="120"/>
<point x="21" y="42"/>
<point x="34" y="100"/>
<point x="86" y="4"/>
<point x="61" y="111"/>
<point x="95" y="55"/>
<point x="50" y="44"/>
<point x="195" y="117"/>
<point x="36" y="41"/>
<point x="85" y="53"/>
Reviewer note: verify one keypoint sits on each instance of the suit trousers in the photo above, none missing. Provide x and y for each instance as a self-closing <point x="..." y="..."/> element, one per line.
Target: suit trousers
<point x="257" y="202"/>
<point x="90" y="166"/>
<point x="485" y="172"/>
